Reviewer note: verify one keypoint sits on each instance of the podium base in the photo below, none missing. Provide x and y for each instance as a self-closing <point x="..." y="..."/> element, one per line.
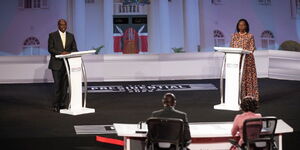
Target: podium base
<point x="224" y="106"/>
<point x="79" y="111"/>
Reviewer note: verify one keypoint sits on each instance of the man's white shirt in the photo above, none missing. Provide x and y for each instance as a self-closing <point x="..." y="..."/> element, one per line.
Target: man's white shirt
<point x="63" y="38"/>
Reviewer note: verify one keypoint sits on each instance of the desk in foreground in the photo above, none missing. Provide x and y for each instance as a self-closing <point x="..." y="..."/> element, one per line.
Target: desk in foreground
<point x="205" y="135"/>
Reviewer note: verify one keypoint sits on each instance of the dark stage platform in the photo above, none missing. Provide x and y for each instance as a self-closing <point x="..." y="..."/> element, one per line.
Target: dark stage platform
<point x="28" y="124"/>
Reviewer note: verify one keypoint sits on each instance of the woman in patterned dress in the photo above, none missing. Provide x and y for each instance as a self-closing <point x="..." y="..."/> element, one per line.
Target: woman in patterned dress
<point x="243" y="39"/>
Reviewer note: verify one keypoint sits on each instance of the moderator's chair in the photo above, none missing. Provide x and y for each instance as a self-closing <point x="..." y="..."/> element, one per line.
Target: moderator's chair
<point x="258" y="134"/>
<point x="164" y="133"/>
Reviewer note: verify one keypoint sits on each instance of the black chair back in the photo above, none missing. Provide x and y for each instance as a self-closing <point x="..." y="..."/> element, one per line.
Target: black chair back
<point x="258" y="133"/>
<point x="169" y="130"/>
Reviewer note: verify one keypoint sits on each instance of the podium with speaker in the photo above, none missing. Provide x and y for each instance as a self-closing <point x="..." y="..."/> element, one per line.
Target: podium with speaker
<point x="232" y="69"/>
<point x="76" y="76"/>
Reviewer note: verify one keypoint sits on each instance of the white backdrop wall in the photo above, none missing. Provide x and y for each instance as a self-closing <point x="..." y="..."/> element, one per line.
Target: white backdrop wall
<point x="19" y="24"/>
<point x="180" y="66"/>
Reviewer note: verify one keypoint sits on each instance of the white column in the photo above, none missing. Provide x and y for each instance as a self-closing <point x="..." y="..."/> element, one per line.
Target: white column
<point x="191" y="25"/>
<point x="70" y="8"/>
<point x="79" y="24"/>
<point x="164" y="26"/>
<point x="153" y="27"/>
<point x="176" y="24"/>
<point x="108" y="26"/>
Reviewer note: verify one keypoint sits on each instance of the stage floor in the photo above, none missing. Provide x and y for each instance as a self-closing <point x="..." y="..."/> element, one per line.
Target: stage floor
<point x="28" y="123"/>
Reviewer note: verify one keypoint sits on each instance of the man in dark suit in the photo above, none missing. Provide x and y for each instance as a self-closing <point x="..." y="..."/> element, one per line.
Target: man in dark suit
<point x="59" y="43"/>
<point x="169" y="111"/>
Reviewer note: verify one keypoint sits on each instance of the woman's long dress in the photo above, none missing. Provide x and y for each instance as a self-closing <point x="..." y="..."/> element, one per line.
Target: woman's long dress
<point x="249" y="79"/>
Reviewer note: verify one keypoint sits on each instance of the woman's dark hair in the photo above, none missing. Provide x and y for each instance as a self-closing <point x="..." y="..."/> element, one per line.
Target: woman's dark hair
<point x="249" y="104"/>
<point x="247" y="24"/>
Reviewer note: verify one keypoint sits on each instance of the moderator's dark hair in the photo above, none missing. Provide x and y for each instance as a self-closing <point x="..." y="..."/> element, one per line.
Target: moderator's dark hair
<point x="169" y="99"/>
<point x="249" y="104"/>
<point x="247" y="24"/>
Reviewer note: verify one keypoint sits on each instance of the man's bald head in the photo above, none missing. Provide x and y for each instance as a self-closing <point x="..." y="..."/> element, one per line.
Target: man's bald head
<point x="62" y="25"/>
<point x="169" y="99"/>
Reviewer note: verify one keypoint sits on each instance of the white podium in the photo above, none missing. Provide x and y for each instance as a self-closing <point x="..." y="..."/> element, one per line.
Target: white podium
<point x="76" y="74"/>
<point x="233" y="64"/>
